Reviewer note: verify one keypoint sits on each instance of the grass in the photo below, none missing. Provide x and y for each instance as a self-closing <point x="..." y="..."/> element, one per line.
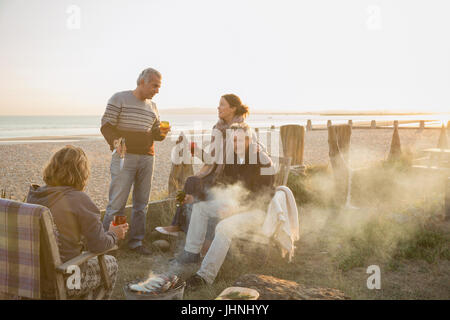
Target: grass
<point x="397" y="225"/>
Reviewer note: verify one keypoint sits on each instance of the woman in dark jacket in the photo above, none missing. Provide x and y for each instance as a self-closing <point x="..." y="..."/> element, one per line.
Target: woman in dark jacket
<point x="230" y="110"/>
<point x="76" y="217"/>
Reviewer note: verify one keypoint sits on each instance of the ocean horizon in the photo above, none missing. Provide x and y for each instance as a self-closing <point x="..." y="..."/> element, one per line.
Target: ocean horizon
<point x="60" y="126"/>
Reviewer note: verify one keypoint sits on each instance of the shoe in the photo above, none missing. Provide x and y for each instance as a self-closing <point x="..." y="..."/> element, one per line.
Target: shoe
<point x="187" y="257"/>
<point x="141" y="250"/>
<point x="164" y="231"/>
<point x="195" y="282"/>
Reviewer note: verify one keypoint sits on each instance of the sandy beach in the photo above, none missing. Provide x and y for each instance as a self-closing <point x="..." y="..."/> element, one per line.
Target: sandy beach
<point x="22" y="162"/>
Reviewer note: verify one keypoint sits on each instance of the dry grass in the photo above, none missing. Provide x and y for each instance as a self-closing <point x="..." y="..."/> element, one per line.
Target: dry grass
<point x="397" y="226"/>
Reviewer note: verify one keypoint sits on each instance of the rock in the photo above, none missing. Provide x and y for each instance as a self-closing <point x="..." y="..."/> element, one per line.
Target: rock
<point x="162" y="245"/>
<point x="271" y="288"/>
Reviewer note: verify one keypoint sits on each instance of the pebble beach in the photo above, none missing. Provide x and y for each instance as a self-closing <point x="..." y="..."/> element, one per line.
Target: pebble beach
<point x="22" y="163"/>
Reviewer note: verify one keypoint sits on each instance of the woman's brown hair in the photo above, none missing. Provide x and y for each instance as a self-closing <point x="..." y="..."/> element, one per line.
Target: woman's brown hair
<point x="68" y="167"/>
<point x="235" y="102"/>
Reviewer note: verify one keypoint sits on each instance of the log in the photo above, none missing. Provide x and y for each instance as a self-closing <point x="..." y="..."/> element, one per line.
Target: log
<point x="443" y="140"/>
<point x="337" y="159"/>
<point x="180" y="172"/>
<point x="271" y="288"/>
<point x="293" y="142"/>
<point x="396" y="150"/>
<point x="309" y="125"/>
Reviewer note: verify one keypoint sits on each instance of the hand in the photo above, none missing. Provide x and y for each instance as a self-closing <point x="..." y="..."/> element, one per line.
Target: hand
<point x="119" y="230"/>
<point x="164" y="130"/>
<point x="188" y="199"/>
<point x="118" y="147"/>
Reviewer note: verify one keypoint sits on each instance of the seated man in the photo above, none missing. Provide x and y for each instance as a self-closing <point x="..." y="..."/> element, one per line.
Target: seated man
<point x="240" y="201"/>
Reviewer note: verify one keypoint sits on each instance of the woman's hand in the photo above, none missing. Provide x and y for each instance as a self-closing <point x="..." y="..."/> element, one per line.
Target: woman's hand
<point x="120" y="230"/>
<point x="188" y="199"/>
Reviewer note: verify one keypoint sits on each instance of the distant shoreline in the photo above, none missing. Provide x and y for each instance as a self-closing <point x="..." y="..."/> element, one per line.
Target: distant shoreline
<point x="264" y="112"/>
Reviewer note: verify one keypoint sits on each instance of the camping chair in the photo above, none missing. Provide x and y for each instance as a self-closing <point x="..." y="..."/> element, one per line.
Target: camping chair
<point x="30" y="264"/>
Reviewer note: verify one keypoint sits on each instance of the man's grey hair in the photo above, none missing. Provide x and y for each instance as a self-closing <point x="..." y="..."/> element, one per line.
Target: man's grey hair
<point x="147" y="74"/>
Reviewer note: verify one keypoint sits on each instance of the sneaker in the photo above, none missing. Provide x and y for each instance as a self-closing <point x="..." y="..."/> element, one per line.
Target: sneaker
<point x="141" y="250"/>
<point x="195" y="282"/>
<point x="187" y="257"/>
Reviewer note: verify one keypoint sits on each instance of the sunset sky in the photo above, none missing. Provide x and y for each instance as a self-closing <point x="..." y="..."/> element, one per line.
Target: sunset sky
<point x="277" y="55"/>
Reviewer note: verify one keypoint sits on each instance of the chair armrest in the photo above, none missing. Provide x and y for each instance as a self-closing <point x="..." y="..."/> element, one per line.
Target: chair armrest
<point x="78" y="260"/>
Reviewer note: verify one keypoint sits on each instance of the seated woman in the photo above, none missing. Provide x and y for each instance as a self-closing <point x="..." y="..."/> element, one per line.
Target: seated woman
<point x="230" y="110"/>
<point x="76" y="217"/>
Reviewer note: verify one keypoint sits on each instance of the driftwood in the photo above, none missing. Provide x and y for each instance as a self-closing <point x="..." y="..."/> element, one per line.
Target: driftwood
<point x="339" y="145"/>
<point x="271" y="288"/>
<point x="180" y="172"/>
<point x="396" y="149"/>
<point x="443" y="140"/>
<point x="293" y="141"/>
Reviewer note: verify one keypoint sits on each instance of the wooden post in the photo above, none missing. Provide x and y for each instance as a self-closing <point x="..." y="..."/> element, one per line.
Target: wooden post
<point x="373" y="124"/>
<point x="443" y="140"/>
<point x="180" y="172"/>
<point x="293" y="141"/>
<point x="395" y="124"/>
<point x="422" y="125"/>
<point x="447" y="200"/>
<point x="350" y="123"/>
<point x="338" y="137"/>
<point x="396" y="151"/>
<point x="329" y="124"/>
<point x="309" y="125"/>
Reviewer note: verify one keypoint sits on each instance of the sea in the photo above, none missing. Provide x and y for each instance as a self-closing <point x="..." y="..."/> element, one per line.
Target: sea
<point x="60" y="126"/>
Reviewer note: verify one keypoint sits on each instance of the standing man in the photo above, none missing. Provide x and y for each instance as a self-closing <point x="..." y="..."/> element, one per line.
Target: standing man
<point x="132" y="115"/>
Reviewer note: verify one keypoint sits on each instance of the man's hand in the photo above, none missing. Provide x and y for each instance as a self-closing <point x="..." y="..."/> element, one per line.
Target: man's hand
<point x="188" y="199"/>
<point x="164" y="130"/>
<point x="121" y="150"/>
<point x="119" y="230"/>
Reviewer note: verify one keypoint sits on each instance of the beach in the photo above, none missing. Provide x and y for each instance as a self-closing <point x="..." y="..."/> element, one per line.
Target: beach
<point x="22" y="162"/>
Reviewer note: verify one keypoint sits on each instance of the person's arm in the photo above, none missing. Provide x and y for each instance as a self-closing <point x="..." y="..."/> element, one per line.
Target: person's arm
<point x="97" y="240"/>
<point x="109" y="121"/>
<point x="155" y="130"/>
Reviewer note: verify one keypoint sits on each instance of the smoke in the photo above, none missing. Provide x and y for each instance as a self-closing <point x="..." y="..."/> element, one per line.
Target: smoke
<point x="390" y="202"/>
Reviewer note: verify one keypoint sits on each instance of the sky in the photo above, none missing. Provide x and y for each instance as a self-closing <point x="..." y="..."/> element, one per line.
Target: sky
<point x="60" y="57"/>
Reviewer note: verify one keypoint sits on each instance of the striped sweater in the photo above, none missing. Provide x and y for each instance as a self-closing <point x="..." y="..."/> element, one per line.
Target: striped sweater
<point x="135" y="120"/>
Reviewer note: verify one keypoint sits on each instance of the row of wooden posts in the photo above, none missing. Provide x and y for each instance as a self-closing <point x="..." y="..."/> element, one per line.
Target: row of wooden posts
<point x="293" y="143"/>
<point x="373" y="124"/>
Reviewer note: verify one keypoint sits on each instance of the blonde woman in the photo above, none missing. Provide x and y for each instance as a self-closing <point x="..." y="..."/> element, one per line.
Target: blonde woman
<point x="76" y="217"/>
